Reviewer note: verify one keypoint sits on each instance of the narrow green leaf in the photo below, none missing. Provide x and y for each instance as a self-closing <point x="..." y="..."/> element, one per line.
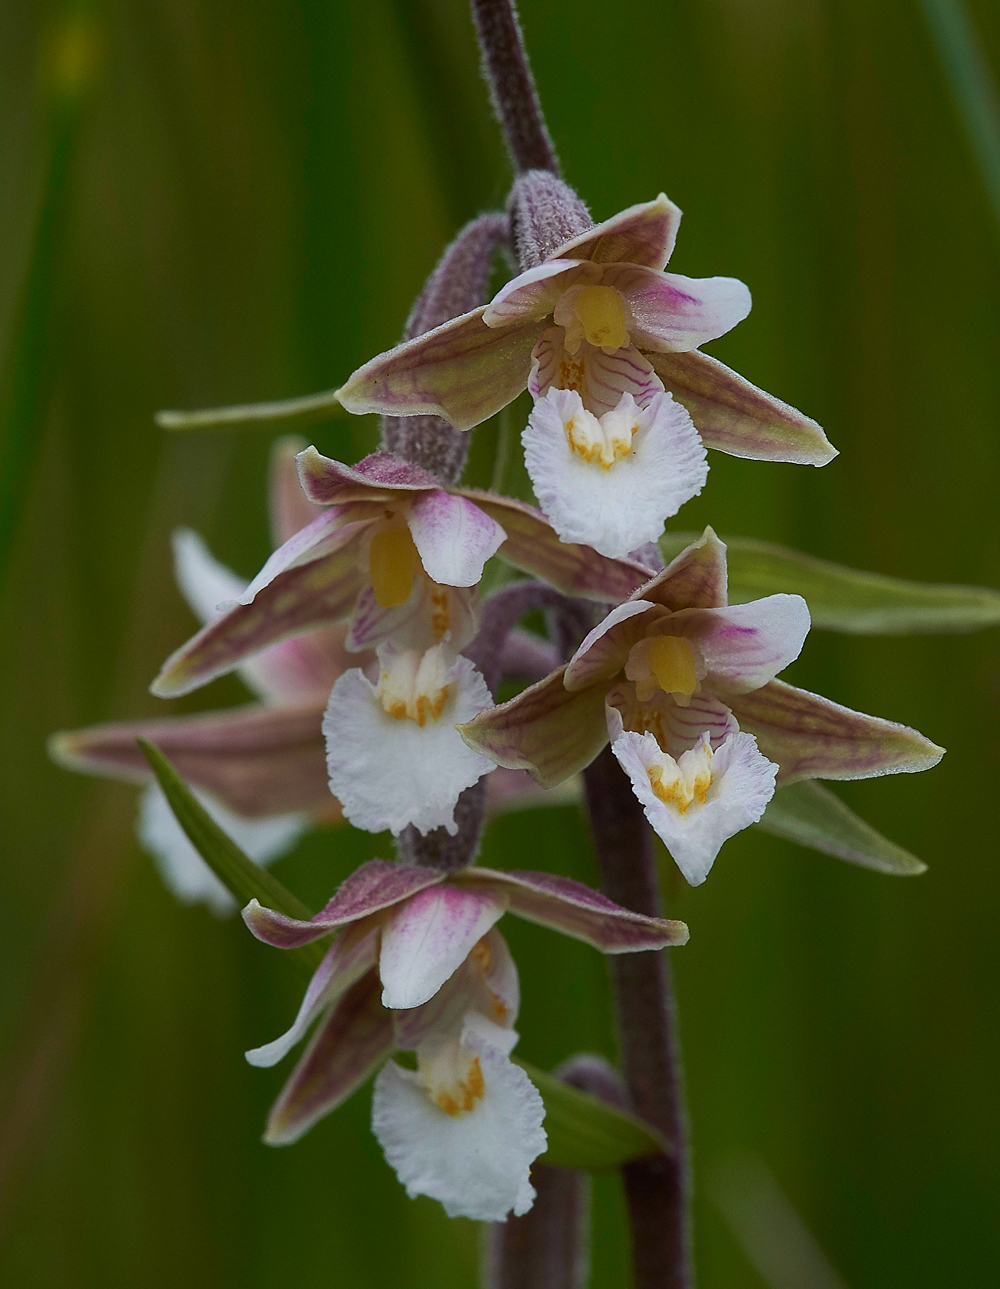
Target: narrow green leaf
<point x="312" y="409"/>
<point x="587" y="1133"/>
<point x="812" y="815"/>
<point x="846" y="599"/>
<point x="241" y="876"/>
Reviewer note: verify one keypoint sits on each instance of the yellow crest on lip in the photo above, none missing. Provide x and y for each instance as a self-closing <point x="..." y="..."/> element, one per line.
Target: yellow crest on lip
<point x="602" y="316"/>
<point x="671" y="660"/>
<point x="392" y="565"/>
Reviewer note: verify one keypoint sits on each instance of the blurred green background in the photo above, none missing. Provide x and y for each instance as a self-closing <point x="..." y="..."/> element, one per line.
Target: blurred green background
<point x="210" y="201"/>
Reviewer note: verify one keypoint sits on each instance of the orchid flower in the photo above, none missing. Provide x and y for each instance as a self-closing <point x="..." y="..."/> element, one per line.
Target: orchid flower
<point x="671" y="676"/>
<point x="419" y="966"/>
<point x="396" y="555"/>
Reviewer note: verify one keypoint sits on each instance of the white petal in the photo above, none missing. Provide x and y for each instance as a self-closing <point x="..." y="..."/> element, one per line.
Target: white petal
<point x="183" y="870"/>
<point x="388" y="773"/>
<point x="427" y="939"/>
<point x="476" y="1163"/>
<point x="453" y="537"/>
<point x="743" y="784"/>
<point x="613" y="507"/>
<point x="205" y="583"/>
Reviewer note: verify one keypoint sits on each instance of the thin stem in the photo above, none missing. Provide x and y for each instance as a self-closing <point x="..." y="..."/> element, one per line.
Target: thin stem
<point x="512" y="86"/>
<point x="547" y="1248"/>
<point x="657" y="1189"/>
<point x="503" y="450"/>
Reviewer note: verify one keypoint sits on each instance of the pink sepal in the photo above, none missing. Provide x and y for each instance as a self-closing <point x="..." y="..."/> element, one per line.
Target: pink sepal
<point x="375" y="478"/>
<point x="288" y="507"/>
<point x="576" y="910"/>
<point x="696" y="579"/>
<point x="642" y="234"/>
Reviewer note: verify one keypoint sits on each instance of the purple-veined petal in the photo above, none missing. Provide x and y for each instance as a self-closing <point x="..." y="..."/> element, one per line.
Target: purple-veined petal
<point x="695" y="579"/>
<point x="375" y="886"/>
<point x="677" y="729"/>
<point x="453" y="537"/>
<point x="301" y="599"/>
<point x="576" y="910"/>
<point x="344" y="1051"/>
<point x="814" y="738"/>
<point x="257" y="760"/>
<point x="533" y="294"/>
<point x="428" y="938"/>
<point x="377" y="477"/>
<point x="605" y="649"/>
<point x="600" y="379"/>
<point x="742" y="783"/>
<point x="389" y="771"/>
<point x="332" y="531"/>
<point x="185" y="874"/>
<point x="431" y="614"/>
<point x="672" y="314"/>
<point x="615" y="506"/>
<point x="642" y="234"/>
<point x="745" y="645"/>
<point x="289" y="508"/>
<point x="476" y="1162"/>
<point x="533" y="546"/>
<point x="463" y="371"/>
<point x="546" y="729"/>
<point x="736" y="417"/>
<point x="349" y="957"/>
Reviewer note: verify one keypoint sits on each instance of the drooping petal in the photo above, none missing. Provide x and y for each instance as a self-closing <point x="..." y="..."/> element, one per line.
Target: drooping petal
<point x="431" y="614"/>
<point x="349" y="957"/>
<point x="745" y="645"/>
<point x="289" y="508"/>
<point x="464" y="371"/>
<point x="377" y="477"/>
<point x="740" y="786"/>
<point x="428" y="938"/>
<point x="185" y="874"/>
<point x="256" y="760"/>
<point x="476" y="1162"/>
<point x="343" y="1052"/>
<point x="300" y="599"/>
<point x="733" y="416"/>
<point x="576" y="910"/>
<point x="375" y="886"/>
<point x="453" y="537"/>
<point x="533" y="294"/>
<point x="672" y="314"/>
<point x="604" y="650"/>
<point x="619" y="504"/>
<point x="533" y="546"/>
<point x="642" y="234"/>
<point x="601" y="379"/>
<point x="546" y="730"/>
<point x="695" y="579"/>
<point x="207" y="585"/>
<point x="813" y="738"/>
<point x="390" y="771"/>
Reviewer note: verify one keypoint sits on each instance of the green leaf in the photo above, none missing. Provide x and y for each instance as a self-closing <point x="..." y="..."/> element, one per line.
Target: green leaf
<point x="313" y="409"/>
<point x="241" y="876"/>
<point x="846" y="599"/>
<point x="587" y="1133"/>
<point x="814" y="816"/>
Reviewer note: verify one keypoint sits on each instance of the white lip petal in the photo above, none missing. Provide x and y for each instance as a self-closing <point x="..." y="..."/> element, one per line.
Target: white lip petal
<point x="743" y="784"/>
<point x="476" y="1163"/>
<point x="388" y="772"/>
<point x="613" y="505"/>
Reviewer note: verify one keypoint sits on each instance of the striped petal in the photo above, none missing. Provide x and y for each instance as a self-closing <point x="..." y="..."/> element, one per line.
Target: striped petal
<point x="672" y="314"/>
<point x="600" y="379"/>
<point x="642" y="234"/>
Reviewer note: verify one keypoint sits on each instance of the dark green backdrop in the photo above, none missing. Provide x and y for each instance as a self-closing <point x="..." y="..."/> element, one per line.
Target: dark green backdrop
<point x="208" y="201"/>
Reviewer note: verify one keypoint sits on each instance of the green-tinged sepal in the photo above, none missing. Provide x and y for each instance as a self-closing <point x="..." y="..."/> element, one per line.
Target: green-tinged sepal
<point x="848" y="599"/>
<point x="312" y="409"/>
<point x="813" y="816"/>
<point x="240" y="875"/>
<point x="587" y="1133"/>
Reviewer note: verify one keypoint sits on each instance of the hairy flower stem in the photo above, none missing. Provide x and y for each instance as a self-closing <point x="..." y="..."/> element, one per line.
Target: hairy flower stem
<point x="459" y="283"/>
<point x="657" y="1189"/>
<point x="512" y="87"/>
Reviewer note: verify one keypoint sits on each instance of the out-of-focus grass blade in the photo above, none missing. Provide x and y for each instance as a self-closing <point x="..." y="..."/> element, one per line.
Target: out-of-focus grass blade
<point x="585" y="1132"/>
<point x="814" y="816"/>
<point x="241" y="876"/>
<point x="312" y="409"/>
<point x="971" y="81"/>
<point x="848" y="599"/>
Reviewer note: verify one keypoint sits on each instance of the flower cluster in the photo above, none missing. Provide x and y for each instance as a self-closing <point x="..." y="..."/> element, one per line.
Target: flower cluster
<point x="376" y="660"/>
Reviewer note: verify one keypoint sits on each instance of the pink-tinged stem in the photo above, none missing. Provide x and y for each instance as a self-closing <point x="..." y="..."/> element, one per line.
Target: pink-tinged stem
<point x="657" y="1189"/>
<point x="512" y="86"/>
